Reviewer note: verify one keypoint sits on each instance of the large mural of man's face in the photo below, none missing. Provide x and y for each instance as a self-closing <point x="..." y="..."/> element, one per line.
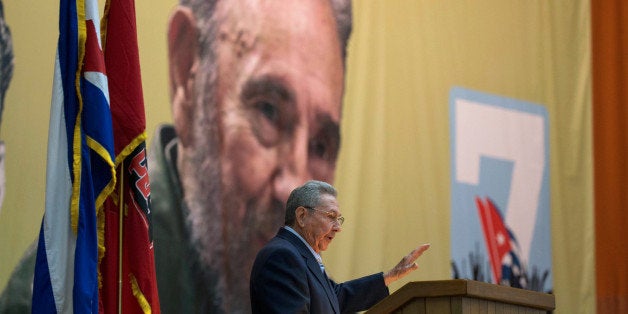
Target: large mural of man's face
<point x="256" y="117"/>
<point x="279" y="96"/>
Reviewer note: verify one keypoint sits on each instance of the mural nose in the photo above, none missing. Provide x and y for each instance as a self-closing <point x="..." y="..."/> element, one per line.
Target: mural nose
<point x="287" y="180"/>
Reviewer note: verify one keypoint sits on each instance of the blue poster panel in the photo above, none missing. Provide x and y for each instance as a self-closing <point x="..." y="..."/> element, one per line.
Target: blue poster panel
<point x="500" y="215"/>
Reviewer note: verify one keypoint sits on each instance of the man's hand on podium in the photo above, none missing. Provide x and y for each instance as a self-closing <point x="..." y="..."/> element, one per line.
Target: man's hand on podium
<point x="406" y="265"/>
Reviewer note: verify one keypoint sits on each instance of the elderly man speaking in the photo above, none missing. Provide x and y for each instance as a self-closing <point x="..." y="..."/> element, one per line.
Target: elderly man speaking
<point x="288" y="274"/>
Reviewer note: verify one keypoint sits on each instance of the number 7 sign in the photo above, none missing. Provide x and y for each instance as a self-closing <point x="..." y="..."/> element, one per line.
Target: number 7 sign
<point x="500" y="181"/>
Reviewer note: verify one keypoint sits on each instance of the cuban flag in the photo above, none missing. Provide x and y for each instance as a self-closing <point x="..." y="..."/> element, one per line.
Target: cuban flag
<point x="80" y="171"/>
<point x="503" y="249"/>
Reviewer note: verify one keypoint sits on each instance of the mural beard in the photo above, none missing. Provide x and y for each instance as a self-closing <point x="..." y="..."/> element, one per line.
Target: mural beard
<point x="227" y="227"/>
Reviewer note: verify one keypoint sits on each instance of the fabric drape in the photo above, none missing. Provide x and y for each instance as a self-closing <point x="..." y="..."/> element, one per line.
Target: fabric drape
<point x="609" y="19"/>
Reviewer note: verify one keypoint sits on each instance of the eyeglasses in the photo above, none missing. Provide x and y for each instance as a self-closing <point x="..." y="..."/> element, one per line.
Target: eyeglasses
<point x="340" y="220"/>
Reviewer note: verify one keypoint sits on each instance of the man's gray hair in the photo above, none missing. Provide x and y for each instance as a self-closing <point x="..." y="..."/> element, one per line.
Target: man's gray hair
<point x="6" y="58"/>
<point x="204" y="11"/>
<point x="307" y="195"/>
<point x="207" y="24"/>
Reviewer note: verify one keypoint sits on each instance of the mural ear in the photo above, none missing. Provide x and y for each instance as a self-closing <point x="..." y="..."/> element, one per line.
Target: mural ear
<point x="183" y="59"/>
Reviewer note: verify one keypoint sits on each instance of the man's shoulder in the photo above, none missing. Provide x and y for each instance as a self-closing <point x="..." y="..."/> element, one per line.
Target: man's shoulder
<point x="284" y="243"/>
<point x="164" y="133"/>
<point x="164" y="183"/>
<point x="16" y="297"/>
<point x="279" y="253"/>
<point x="161" y="147"/>
<point x="178" y="275"/>
<point x="163" y="137"/>
<point x="166" y="197"/>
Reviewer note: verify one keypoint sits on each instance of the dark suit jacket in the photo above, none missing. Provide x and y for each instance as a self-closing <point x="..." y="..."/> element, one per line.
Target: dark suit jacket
<point x="286" y="278"/>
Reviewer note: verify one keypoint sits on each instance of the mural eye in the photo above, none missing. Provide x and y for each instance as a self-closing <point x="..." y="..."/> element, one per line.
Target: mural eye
<point x="266" y="121"/>
<point x="318" y="148"/>
<point x="323" y="148"/>
<point x="269" y="110"/>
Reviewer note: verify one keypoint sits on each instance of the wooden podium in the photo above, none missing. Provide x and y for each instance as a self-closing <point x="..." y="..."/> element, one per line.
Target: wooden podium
<point x="463" y="296"/>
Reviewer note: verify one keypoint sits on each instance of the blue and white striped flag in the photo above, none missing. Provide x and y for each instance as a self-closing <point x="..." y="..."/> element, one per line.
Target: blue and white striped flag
<point x="80" y="169"/>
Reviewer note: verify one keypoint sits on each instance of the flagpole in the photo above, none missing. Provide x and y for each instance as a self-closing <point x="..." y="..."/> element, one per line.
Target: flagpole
<point x="120" y="234"/>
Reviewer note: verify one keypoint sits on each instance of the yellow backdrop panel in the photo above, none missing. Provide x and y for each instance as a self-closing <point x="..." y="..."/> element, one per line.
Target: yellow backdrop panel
<point x="394" y="171"/>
